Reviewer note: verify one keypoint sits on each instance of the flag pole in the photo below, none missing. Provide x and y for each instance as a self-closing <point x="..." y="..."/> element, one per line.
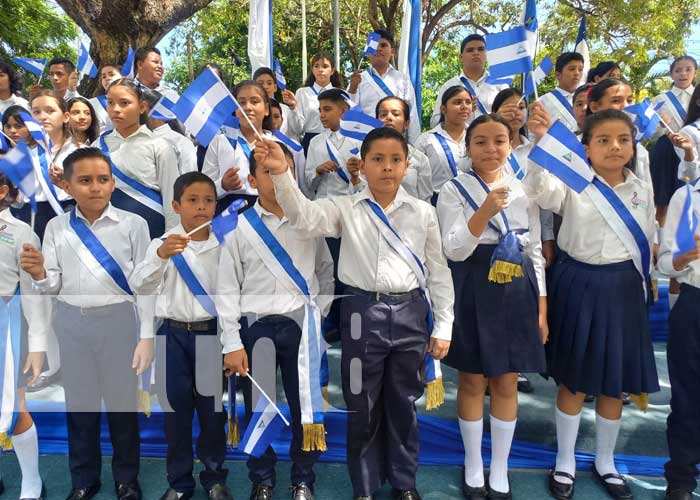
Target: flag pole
<point x="268" y="398"/>
<point x="304" y="53"/>
<point x="8" y="138"/>
<point x="247" y="119"/>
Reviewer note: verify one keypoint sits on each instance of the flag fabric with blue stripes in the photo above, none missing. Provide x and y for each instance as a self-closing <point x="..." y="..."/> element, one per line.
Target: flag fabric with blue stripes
<point x="645" y="118"/>
<point x="409" y="61"/>
<point x="232" y="130"/>
<point x="684" y="240"/>
<point x="582" y="48"/>
<point x="36" y="130"/>
<point x="17" y="165"/>
<point x="227" y="220"/>
<point x="86" y="65"/>
<point x="163" y="110"/>
<point x="529" y="20"/>
<point x="561" y="152"/>
<point x="4" y="142"/>
<point x="371" y="44"/>
<point x="539" y="74"/>
<point x="128" y="68"/>
<point x="508" y="53"/>
<point x="264" y="426"/>
<point x="500" y="81"/>
<point x="204" y="106"/>
<point x="35" y="66"/>
<point x="279" y="76"/>
<point x="287" y="141"/>
<point x="356" y="124"/>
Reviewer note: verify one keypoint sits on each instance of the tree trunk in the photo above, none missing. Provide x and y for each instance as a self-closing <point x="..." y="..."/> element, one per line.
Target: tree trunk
<point x="115" y="25"/>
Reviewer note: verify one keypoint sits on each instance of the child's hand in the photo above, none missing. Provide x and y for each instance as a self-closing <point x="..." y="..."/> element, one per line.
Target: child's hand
<point x="231" y="181"/>
<point x="353" y="166"/>
<point x="289" y="99"/>
<point x="269" y="154"/>
<point x="73" y="81"/>
<point x="31" y="261"/>
<point x="682" y="261"/>
<point x="496" y="201"/>
<point x="325" y="167"/>
<point x="355" y="80"/>
<point x="143" y="356"/>
<point x="35" y="363"/>
<point x="236" y="362"/>
<point x="438" y="348"/>
<point x="508" y="111"/>
<point x="174" y="244"/>
<point x="542" y="320"/>
<point x="539" y="121"/>
<point x="548" y="252"/>
<point x="56" y="176"/>
<point x="681" y="141"/>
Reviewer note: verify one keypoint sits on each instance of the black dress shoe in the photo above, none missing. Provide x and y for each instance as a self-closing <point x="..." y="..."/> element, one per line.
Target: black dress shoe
<point x="171" y="494"/>
<point x="2" y="487"/>
<point x="43" y="381"/>
<point x="470" y="492"/>
<point x="261" y="492"/>
<point x="220" y="492"/>
<point x="559" y="490"/>
<point x="362" y="498"/>
<point x="678" y="495"/>
<point x="302" y="492"/>
<point x="41" y="496"/>
<point x="498" y="495"/>
<point x="524" y="384"/>
<point x="397" y="494"/>
<point x="128" y="491"/>
<point x="617" y="491"/>
<point x="84" y="493"/>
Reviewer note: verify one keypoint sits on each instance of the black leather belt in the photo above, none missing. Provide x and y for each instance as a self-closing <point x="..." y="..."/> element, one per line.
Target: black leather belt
<point x="194" y="326"/>
<point x="387" y="298"/>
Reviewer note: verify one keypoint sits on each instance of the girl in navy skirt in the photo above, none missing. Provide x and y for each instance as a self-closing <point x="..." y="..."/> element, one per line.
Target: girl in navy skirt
<point x="599" y="342"/>
<point x="491" y="236"/>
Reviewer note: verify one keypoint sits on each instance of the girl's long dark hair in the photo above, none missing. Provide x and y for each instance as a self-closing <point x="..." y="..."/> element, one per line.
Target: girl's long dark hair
<point x="592" y="121"/>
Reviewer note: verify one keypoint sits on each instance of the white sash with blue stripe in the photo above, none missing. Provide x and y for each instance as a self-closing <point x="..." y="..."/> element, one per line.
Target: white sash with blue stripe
<point x="335" y="156"/>
<point x="194" y="277"/>
<point x="564" y="109"/>
<point x="518" y="171"/>
<point x="378" y="83"/>
<point x="41" y="169"/>
<point x="677" y="109"/>
<point x="10" y="331"/>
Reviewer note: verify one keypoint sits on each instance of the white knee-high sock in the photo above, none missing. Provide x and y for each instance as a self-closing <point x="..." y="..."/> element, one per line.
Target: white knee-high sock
<point x="472" y="433"/>
<point x="606" y="432"/>
<point x="567" y="432"/>
<point x="501" y="440"/>
<point x="26" y="446"/>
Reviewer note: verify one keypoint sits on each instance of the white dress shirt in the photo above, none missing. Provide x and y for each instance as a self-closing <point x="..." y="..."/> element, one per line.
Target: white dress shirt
<point x="689" y="170"/>
<point x="418" y="181"/>
<point x="676" y="123"/>
<point x="556" y="109"/>
<point x="330" y="183"/>
<point x="102" y="116"/>
<point x="13" y="100"/>
<point x="428" y="144"/>
<point x="584" y="233"/>
<point x="690" y="275"/>
<point x="36" y="309"/>
<point x="367" y="261"/>
<point x="58" y="154"/>
<point x="292" y="122"/>
<point x="485" y="92"/>
<point x="247" y="287"/>
<point x="185" y="151"/>
<point x="369" y="94"/>
<point x="149" y="160"/>
<point x="220" y="157"/>
<point x="75" y="282"/>
<point x="307" y="106"/>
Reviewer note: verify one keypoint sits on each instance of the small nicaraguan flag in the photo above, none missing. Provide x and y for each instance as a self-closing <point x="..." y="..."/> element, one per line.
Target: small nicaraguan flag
<point x="36" y="130"/>
<point x="287" y="141"/>
<point x="500" y="81"/>
<point x="86" y="65"/>
<point x="18" y="167"/>
<point x="4" y="142"/>
<point x="645" y="118"/>
<point x="539" y="74"/>
<point x="356" y="124"/>
<point x="508" y="52"/>
<point x="163" y="110"/>
<point x="232" y="130"/>
<point x="684" y="240"/>
<point x="263" y="428"/>
<point x="582" y="48"/>
<point x="35" y="66"/>
<point x="128" y="68"/>
<point x="279" y="76"/>
<point x="227" y="220"/>
<point x="204" y="106"/>
<point x="371" y="44"/>
<point x="529" y="20"/>
<point x="560" y="152"/>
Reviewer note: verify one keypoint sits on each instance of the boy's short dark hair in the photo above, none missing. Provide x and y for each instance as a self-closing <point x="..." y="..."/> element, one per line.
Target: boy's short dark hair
<point x="337" y="96"/>
<point x="471" y="38"/>
<point x="565" y="58"/>
<point x="142" y="53"/>
<point x="189" y="178"/>
<point x="382" y="133"/>
<point x="253" y="164"/>
<point x="68" y="65"/>
<point x="388" y="36"/>
<point x="83" y="154"/>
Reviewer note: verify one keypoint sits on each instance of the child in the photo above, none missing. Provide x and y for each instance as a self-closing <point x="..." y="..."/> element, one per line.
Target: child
<point x="474" y="77"/>
<point x="568" y="70"/>
<point x="292" y="120"/>
<point x="148" y="68"/>
<point x="60" y="70"/>
<point x="16" y="302"/>
<point x="330" y="158"/>
<point x="444" y="145"/>
<point x="384" y="233"/>
<point x="181" y="271"/>
<point x="323" y="76"/>
<point x="683" y="352"/>
<point x="604" y="69"/>
<point x="500" y="324"/>
<point x="382" y="80"/>
<point x="599" y="340"/>
<point x="687" y="141"/>
<point x="418" y="182"/>
<point x="9" y="86"/>
<point x="295" y="149"/>
<point x="676" y="101"/>
<point x="258" y="300"/>
<point x="108" y="74"/>
<point x="86" y="258"/>
<point x="145" y="166"/>
<point x="580" y="105"/>
<point x="83" y="124"/>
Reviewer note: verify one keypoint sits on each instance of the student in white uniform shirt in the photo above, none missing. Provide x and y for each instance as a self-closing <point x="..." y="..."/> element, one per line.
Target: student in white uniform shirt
<point x="295" y="149"/>
<point x="18" y="301"/>
<point x="108" y="74"/>
<point x="323" y="76"/>
<point x="687" y="141"/>
<point x="293" y="121"/>
<point x="9" y="86"/>
<point x="675" y="102"/>
<point x="86" y="260"/>
<point x="148" y="71"/>
<point x="568" y="70"/>
<point x="82" y="122"/>
<point x="444" y="145"/>
<point x="366" y="89"/>
<point x="63" y="78"/>
<point x="474" y="77"/>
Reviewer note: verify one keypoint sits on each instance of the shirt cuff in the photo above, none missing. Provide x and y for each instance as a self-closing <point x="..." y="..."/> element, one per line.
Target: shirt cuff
<point x="41" y="286"/>
<point x="442" y="331"/>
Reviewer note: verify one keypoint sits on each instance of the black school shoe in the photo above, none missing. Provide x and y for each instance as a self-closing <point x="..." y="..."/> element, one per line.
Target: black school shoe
<point x="524" y="384"/>
<point x="220" y="492"/>
<point x="559" y="490"/>
<point x="617" y="491"/>
<point x="498" y="495"/>
<point x="261" y="492"/>
<point x="397" y="494"/>
<point x="678" y="495"/>
<point x="84" y="493"/>
<point x="302" y="491"/>
<point x="128" y="491"/>
<point x="470" y="492"/>
<point x="171" y="494"/>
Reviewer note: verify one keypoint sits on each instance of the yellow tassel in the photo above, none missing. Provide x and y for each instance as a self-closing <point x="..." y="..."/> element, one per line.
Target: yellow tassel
<point x="314" y="437"/>
<point x="504" y="272"/>
<point x="233" y="435"/>
<point x="641" y="401"/>
<point x="324" y="392"/>
<point x="5" y="441"/>
<point x="435" y="394"/>
<point x="144" y="402"/>
<point x="655" y="289"/>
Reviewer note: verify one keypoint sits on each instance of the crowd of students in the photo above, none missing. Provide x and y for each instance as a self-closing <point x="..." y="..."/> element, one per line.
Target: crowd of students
<point x="445" y="245"/>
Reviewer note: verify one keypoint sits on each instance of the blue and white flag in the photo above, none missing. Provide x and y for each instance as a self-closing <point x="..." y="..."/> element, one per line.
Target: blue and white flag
<point x="264" y="426"/>
<point x="645" y="118"/>
<point x="684" y="241"/>
<point x="232" y="130"/>
<point x="128" y="68"/>
<point x="204" y="106"/>
<point x="560" y="152"/>
<point x="4" y="140"/>
<point x="10" y="366"/>
<point x="226" y="221"/>
<point x="529" y="20"/>
<point x="163" y="110"/>
<point x="500" y="81"/>
<point x="538" y="75"/>
<point x="35" y="66"/>
<point x="371" y="44"/>
<point x="582" y="48"/>
<point x="410" y="47"/>
<point x="356" y="125"/>
<point x="36" y="131"/>
<point x="260" y="46"/>
<point x="86" y="65"/>
<point x="508" y="52"/>
<point x="17" y="165"/>
<point x="279" y="76"/>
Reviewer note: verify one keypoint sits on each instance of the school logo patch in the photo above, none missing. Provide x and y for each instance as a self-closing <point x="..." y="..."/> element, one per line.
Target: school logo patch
<point x="6" y="237"/>
<point x="637" y="203"/>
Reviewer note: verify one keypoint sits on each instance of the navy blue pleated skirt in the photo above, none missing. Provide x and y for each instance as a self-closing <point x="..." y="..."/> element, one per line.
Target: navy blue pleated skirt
<point x="664" y="171"/>
<point x="496" y="328"/>
<point x="599" y="340"/>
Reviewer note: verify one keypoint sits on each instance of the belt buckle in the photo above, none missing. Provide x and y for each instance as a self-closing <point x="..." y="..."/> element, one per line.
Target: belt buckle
<point x="377" y="295"/>
<point x="189" y="326"/>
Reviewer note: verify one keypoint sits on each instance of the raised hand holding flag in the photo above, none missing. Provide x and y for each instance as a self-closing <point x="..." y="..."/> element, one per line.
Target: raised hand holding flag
<point x="371" y="44"/>
<point x="537" y="76"/>
<point x="34" y="66"/>
<point x="18" y="167"/>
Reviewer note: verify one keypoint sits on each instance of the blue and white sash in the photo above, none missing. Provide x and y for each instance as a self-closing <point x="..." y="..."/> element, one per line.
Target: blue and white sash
<point x="191" y="273"/>
<point x="379" y="83"/>
<point x="287" y="141"/>
<point x="45" y="180"/>
<point x="10" y="334"/>
<point x="245" y="147"/>
<point x="677" y="109"/>
<point x="281" y="265"/>
<point x="476" y="199"/>
<point x="334" y="155"/>
<point x="442" y="142"/>
<point x="474" y="95"/>
<point x="518" y="172"/>
<point x="564" y="108"/>
<point x="313" y="89"/>
<point x="95" y="256"/>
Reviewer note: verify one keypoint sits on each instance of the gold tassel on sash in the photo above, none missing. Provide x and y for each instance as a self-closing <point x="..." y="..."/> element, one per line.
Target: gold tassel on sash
<point x="144" y="402"/>
<point x="314" y="437"/>
<point x="5" y="441"/>
<point x="233" y="437"/>
<point x="503" y="272"/>
<point x="434" y="394"/>
<point x="324" y="393"/>
<point x="641" y="401"/>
